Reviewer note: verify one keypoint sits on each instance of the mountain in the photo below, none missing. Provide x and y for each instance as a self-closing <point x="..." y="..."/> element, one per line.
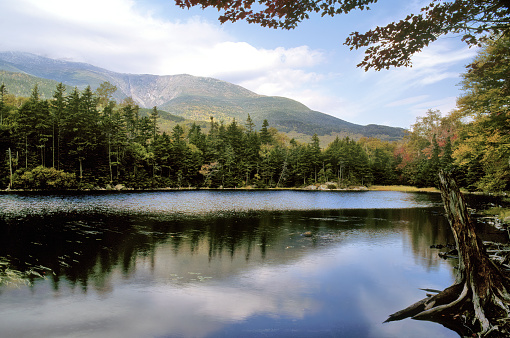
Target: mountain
<point x="21" y="84"/>
<point x="190" y="97"/>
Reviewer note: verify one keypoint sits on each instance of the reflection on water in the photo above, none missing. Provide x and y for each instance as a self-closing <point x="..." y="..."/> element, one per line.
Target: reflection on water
<point x="146" y="265"/>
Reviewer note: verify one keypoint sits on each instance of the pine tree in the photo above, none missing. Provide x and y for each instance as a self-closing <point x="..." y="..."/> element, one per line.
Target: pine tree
<point x="265" y="136"/>
<point x="3" y="93"/>
<point x="315" y="155"/>
<point x="153" y="117"/>
<point x="250" y="126"/>
<point x="25" y="130"/>
<point x="57" y="112"/>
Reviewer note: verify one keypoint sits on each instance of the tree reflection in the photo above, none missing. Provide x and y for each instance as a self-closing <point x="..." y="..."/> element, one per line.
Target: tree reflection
<point x="86" y="249"/>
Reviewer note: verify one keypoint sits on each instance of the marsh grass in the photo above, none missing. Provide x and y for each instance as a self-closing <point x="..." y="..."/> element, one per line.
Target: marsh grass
<point x="502" y="213"/>
<point x="402" y="188"/>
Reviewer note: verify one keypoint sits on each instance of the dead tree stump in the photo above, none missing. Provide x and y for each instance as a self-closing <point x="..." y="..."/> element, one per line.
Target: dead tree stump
<point x="478" y="304"/>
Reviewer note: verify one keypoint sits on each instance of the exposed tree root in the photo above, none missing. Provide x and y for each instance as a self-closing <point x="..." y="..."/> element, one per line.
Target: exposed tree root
<point x="478" y="304"/>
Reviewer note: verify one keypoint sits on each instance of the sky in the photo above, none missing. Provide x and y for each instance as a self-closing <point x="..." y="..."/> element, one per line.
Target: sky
<point x="309" y="64"/>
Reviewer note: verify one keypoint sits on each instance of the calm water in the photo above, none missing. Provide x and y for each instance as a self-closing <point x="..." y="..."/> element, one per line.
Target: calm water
<point x="220" y="263"/>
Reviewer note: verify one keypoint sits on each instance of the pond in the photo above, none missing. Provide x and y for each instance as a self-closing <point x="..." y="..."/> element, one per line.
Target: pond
<point x="219" y="263"/>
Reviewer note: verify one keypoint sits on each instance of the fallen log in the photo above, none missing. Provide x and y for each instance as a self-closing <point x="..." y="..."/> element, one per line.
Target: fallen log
<point x="478" y="304"/>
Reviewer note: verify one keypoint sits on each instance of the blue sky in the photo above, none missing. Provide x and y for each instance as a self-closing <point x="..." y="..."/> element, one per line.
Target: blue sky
<point x="309" y="64"/>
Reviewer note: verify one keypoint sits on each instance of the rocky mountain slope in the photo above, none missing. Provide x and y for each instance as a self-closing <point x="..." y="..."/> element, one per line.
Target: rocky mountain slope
<point x="190" y="97"/>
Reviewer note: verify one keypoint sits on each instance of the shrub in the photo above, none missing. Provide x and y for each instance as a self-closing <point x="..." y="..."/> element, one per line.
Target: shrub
<point x="331" y="186"/>
<point x="44" y="178"/>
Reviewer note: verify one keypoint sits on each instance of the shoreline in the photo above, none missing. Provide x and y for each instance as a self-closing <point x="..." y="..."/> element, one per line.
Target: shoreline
<point x="249" y="188"/>
<point x="313" y="187"/>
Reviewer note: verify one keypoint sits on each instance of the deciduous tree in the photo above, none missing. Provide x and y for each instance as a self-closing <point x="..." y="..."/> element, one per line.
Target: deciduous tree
<point x="105" y="92"/>
<point x="485" y="139"/>
<point x="390" y="45"/>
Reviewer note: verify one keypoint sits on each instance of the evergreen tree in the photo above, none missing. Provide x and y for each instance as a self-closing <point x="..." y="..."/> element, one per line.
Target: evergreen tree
<point x="27" y="126"/>
<point x="250" y="153"/>
<point x="82" y="132"/>
<point x="153" y="117"/>
<point x="250" y="126"/>
<point x="197" y="138"/>
<point x="3" y="93"/>
<point x="265" y="136"/>
<point x="315" y="155"/>
<point x="131" y="115"/>
<point x="58" y="106"/>
<point x="163" y="155"/>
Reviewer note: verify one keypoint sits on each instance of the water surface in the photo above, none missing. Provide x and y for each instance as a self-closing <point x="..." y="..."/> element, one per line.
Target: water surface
<point x="221" y="263"/>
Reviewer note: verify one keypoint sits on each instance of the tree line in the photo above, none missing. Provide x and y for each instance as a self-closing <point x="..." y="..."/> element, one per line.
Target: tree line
<point x="84" y="139"/>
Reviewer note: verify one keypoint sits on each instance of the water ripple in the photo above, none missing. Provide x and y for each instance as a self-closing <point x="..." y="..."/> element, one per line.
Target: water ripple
<point x="205" y="201"/>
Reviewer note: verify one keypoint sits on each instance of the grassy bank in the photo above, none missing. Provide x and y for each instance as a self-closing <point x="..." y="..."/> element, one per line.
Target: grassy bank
<point x="501" y="212"/>
<point x="403" y="188"/>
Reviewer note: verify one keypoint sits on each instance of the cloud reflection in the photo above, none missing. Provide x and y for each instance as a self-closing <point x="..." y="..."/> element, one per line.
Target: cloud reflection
<point x="211" y="276"/>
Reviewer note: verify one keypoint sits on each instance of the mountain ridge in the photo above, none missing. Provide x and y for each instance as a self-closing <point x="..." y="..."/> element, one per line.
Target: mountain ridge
<point x="195" y="98"/>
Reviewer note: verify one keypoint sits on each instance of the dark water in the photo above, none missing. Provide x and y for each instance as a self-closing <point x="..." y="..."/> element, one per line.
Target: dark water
<point x="219" y="263"/>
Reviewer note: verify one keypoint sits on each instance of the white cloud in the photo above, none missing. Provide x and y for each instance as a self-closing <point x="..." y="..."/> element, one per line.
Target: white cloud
<point x="136" y="36"/>
<point x="336" y="105"/>
<point x="109" y="34"/>
<point x="117" y="36"/>
<point x="445" y="105"/>
<point x="407" y="101"/>
<point x="281" y="81"/>
<point x="396" y="97"/>
<point x="240" y="59"/>
<point x="114" y="35"/>
<point x="441" y="53"/>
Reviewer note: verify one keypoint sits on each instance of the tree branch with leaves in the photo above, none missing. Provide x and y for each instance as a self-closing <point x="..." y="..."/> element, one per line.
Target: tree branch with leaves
<point x="392" y="45"/>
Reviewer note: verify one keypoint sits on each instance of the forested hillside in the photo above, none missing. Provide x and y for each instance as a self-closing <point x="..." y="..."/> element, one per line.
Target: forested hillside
<point x="187" y="96"/>
<point x="85" y="139"/>
<point x="21" y="84"/>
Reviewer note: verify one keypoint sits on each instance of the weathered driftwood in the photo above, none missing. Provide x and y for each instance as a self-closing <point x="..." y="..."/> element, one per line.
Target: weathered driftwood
<point x="478" y="304"/>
